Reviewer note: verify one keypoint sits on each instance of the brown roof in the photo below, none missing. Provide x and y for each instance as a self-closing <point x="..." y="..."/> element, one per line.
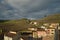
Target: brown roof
<point x="10" y="34"/>
<point x="40" y="29"/>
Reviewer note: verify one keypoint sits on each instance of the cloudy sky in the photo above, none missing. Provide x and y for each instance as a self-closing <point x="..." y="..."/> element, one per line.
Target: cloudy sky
<point x="32" y="9"/>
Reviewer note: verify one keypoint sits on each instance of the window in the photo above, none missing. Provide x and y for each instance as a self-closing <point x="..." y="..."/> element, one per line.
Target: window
<point x="52" y="30"/>
<point x="52" y="33"/>
<point x="25" y="33"/>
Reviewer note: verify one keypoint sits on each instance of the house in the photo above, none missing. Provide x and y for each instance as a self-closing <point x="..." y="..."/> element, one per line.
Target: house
<point x="48" y="38"/>
<point x="32" y="29"/>
<point x="9" y="35"/>
<point x="54" y="25"/>
<point x="50" y="28"/>
<point x="46" y="24"/>
<point x="43" y="27"/>
<point x="34" y="23"/>
<point x="39" y="33"/>
<point x="50" y="31"/>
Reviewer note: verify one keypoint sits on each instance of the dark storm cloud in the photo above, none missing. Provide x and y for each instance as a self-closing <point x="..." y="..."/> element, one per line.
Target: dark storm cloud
<point x="15" y="9"/>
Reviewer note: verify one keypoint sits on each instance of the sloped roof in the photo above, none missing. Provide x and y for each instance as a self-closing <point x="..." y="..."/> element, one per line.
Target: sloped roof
<point x="10" y="34"/>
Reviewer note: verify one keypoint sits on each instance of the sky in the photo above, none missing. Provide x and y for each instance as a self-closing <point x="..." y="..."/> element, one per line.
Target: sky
<point x="31" y="9"/>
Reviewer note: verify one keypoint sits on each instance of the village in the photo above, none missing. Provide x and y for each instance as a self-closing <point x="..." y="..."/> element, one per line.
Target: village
<point x="29" y="19"/>
<point x="48" y="31"/>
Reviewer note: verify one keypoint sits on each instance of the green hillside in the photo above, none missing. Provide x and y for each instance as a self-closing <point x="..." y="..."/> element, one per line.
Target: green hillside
<point x="24" y="23"/>
<point x="51" y="18"/>
<point x="16" y="25"/>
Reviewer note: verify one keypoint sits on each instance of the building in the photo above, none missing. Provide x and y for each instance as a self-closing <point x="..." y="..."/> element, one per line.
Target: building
<point x="54" y="25"/>
<point x="50" y="31"/>
<point x="9" y="35"/>
<point x="39" y="33"/>
<point x="48" y="38"/>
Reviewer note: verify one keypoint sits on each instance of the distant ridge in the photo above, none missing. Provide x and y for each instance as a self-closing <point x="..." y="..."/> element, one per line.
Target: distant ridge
<point x="51" y="18"/>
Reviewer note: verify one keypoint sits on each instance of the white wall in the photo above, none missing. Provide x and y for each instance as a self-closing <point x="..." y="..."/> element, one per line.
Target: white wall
<point x="7" y="38"/>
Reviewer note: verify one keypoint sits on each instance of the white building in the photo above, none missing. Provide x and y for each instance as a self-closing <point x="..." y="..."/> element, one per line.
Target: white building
<point x="9" y="35"/>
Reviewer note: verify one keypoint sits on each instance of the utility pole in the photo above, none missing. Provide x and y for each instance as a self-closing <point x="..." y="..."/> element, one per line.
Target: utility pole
<point x="17" y="37"/>
<point x="56" y="33"/>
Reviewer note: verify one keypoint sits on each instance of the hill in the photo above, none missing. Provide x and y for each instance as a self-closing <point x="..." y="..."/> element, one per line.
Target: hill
<point x="55" y="18"/>
<point x="15" y="25"/>
<point x="24" y="23"/>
